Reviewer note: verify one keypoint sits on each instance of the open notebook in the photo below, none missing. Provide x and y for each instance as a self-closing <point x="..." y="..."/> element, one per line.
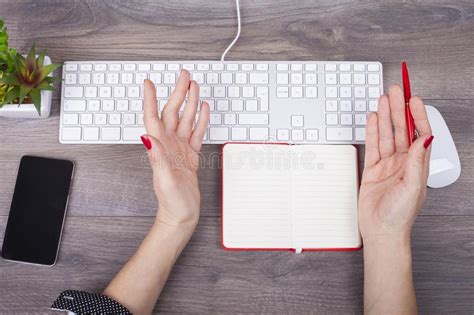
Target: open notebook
<point x="301" y="197"/>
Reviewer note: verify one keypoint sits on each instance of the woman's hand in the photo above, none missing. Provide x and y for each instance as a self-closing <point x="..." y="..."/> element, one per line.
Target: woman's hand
<point x="393" y="185"/>
<point x="173" y="144"/>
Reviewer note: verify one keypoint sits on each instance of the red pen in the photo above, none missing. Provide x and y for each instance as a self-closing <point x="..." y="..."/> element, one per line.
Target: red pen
<point x="407" y="93"/>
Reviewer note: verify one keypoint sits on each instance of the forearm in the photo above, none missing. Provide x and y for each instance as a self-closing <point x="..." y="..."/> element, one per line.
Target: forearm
<point x="388" y="278"/>
<point x="139" y="283"/>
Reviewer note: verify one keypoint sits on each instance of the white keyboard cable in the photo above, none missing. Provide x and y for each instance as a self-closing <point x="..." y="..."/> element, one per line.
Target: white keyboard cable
<point x="238" y="31"/>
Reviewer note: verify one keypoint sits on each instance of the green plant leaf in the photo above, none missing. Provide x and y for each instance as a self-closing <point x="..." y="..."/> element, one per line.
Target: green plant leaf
<point x="47" y="70"/>
<point x="24" y="91"/>
<point x="40" y="60"/>
<point x="11" y="95"/>
<point x="44" y="86"/>
<point x="35" y="95"/>
<point x="10" y="79"/>
<point x="31" y="58"/>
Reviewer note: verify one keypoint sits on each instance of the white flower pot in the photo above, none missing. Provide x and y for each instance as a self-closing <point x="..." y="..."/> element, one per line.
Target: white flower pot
<point x="29" y="110"/>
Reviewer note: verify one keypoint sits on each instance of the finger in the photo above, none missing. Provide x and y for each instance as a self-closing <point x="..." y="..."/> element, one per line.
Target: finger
<point x="418" y="157"/>
<point x="372" y="155"/>
<point x="420" y="116"/>
<point x="153" y="124"/>
<point x="169" y="114"/>
<point x="201" y="127"/>
<point x="386" y="142"/>
<point x="397" y="109"/>
<point x="422" y="124"/>
<point x="156" y="152"/>
<point x="185" y="125"/>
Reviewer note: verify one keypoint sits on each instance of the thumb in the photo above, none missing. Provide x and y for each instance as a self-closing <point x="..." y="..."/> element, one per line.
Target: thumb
<point x="155" y="151"/>
<point x="418" y="161"/>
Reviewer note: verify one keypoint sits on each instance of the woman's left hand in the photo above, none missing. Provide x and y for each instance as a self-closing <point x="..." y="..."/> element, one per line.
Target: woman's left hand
<point x="173" y="144"/>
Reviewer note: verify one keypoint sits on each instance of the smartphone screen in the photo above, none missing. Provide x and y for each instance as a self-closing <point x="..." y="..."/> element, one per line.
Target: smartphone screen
<point x="37" y="210"/>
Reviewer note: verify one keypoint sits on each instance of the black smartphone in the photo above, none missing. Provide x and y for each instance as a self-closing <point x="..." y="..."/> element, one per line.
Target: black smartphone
<point x="37" y="211"/>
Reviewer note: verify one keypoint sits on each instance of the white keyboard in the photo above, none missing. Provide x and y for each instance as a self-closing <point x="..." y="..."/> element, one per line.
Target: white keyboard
<point x="295" y="102"/>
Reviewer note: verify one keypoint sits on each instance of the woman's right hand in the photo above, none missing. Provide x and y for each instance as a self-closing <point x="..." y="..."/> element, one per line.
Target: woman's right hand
<point x="173" y="144"/>
<point x="393" y="184"/>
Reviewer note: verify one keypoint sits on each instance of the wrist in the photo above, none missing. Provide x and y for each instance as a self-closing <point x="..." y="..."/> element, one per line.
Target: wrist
<point x="185" y="227"/>
<point x="395" y="241"/>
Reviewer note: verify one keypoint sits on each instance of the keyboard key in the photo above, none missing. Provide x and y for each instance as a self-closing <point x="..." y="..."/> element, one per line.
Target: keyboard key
<point x="247" y="67"/>
<point x="282" y="78"/>
<point x="98" y="78"/>
<point x="173" y="67"/>
<point x="233" y="91"/>
<point x="339" y="134"/>
<point x="331" y="91"/>
<point x="108" y="105"/>
<point x="253" y="119"/>
<point x="373" y="78"/>
<point x="258" y="78"/>
<point x="312" y="134"/>
<point x="239" y="133"/>
<point x="70" y="67"/>
<point x="86" y="67"/>
<point x="203" y="66"/>
<point x="345" y="78"/>
<point x="223" y="105"/>
<point x="212" y="78"/>
<point x="373" y="105"/>
<point x="155" y="77"/>
<point x="296" y="67"/>
<point x="73" y="91"/>
<point x="133" y="91"/>
<point x="358" y="67"/>
<point x="259" y="134"/>
<point x="86" y="119"/>
<point x="84" y="78"/>
<point x="346" y="119"/>
<point x="361" y="119"/>
<point x="188" y="66"/>
<point x="128" y="119"/>
<point x="297" y="121"/>
<point x="198" y="77"/>
<point x="261" y="67"/>
<point x="226" y="78"/>
<point x="215" y="119"/>
<point x="110" y="133"/>
<point x="161" y="92"/>
<point x="217" y="67"/>
<point x="374" y="92"/>
<point x="237" y="105"/>
<point x="122" y="105"/>
<point x="330" y="67"/>
<point x="282" y="92"/>
<point x="74" y="105"/>
<point x="262" y="93"/>
<point x="70" y="78"/>
<point x="345" y="91"/>
<point x="346" y="106"/>
<point x="71" y="133"/>
<point x="158" y="67"/>
<point x="296" y="78"/>
<point x="168" y="78"/>
<point x="104" y="91"/>
<point x="251" y="105"/>
<point x="132" y="133"/>
<point x="331" y="119"/>
<point x="359" y="92"/>
<point x="282" y="67"/>
<point x="331" y="106"/>
<point x="205" y="91"/>
<point x="70" y="119"/>
<point x="91" y="133"/>
<point x="100" y="119"/>
<point x="283" y="134"/>
<point x="91" y="91"/>
<point x="93" y="105"/>
<point x="345" y="67"/>
<point x="359" y="78"/>
<point x="311" y="67"/>
<point x="373" y="67"/>
<point x="360" y="134"/>
<point x="297" y="135"/>
<point x="218" y="134"/>
<point x="115" y="67"/>
<point x="311" y="78"/>
<point x="129" y="67"/>
<point x="311" y="92"/>
<point x="330" y="78"/>
<point x="248" y="91"/>
<point x="360" y="106"/>
<point x="297" y="91"/>
<point x="115" y="119"/>
<point x="230" y="119"/>
<point x="219" y="91"/>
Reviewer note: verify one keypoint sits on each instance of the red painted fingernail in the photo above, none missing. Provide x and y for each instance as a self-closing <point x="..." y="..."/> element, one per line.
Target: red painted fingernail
<point x="428" y="141"/>
<point x="146" y="142"/>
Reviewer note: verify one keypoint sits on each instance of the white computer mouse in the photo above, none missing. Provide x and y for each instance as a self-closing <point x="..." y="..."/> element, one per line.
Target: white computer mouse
<point x="445" y="166"/>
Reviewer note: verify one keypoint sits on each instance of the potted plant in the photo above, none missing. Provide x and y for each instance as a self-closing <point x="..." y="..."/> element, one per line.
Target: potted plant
<point x="25" y="82"/>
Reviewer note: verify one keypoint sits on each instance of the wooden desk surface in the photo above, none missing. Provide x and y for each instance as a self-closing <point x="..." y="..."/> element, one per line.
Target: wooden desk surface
<point x="112" y="204"/>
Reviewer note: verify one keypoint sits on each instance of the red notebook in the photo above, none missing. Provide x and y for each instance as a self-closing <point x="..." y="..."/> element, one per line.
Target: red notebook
<point x="289" y="197"/>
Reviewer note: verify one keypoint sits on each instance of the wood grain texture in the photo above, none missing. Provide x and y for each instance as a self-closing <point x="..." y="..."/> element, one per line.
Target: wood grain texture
<point x="208" y="279"/>
<point x="112" y="202"/>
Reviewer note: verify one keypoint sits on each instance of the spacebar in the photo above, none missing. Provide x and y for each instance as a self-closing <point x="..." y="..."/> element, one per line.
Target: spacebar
<point x="132" y="133"/>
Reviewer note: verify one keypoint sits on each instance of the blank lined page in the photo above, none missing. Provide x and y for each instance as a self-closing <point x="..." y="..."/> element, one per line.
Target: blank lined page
<point x="256" y="201"/>
<point x="324" y="197"/>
